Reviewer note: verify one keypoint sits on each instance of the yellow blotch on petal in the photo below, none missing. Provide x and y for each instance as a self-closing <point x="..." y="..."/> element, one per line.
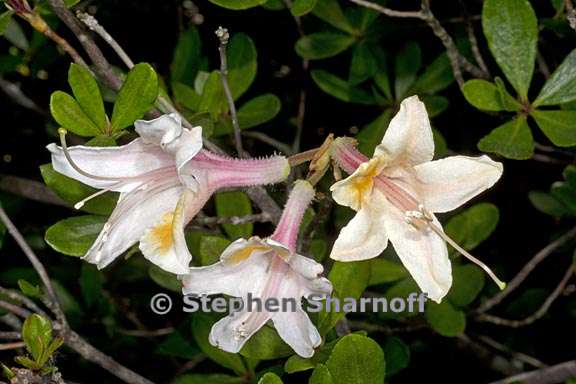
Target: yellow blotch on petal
<point x="245" y="253"/>
<point x="362" y="182"/>
<point x="160" y="236"/>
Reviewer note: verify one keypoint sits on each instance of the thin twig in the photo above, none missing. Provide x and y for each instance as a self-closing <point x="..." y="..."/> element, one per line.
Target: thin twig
<point x="30" y="189"/>
<point x="555" y="374"/>
<point x="285" y="149"/>
<point x="526" y="270"/>
<point x="16" y="296"/>
<point x="146" y="333"/>
<point x="542" y="65"/>
<point x="383" y="329"/>
<point x="15" y="309"/>
<point x="15" y="345"/>
<point x="514" y="354"/>
<point x="224" y="37"/>
<point x="10" y="335"/>
<point x="536" y="315"/>
<point x="474" y="43"/>
<point x="263" y="217"/>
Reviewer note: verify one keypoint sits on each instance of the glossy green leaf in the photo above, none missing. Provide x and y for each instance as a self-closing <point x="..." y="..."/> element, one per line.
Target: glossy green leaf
<point x="331" y="12"/>
<point x="397" y="355"/>
<point x="186" y="59"/>
<point x="561" y="86"/>
<point x="266" y="345"/>
<point x="340" y="89"/>
<point x="213" y="99"/>
<point x="357" y="359"/>
<point x="238" y="4"/>
<point x="230" y="204"/>
<point x="485" y="95"/>
<point x="435" y="105"/>
<point x="558" y="126"/>
<point x="136" y="97"/>
<point x="512" y="140"/>
<point x="259" y="110"/>
<point x="165" y="279"/>
<point x="186" y="96"/>
<point x="511" y="28"/>
<point x="444" y="319"/>
<point x="406" y="66"/>
<point x="178" y="345"/>
<point x="468" y="281"/>
<point x="548" y="204"/>
<point x="36" y="334"/>
<point x="349" y="280"/>
<point x="474" y="225"/>
<point x="385" y="271"/>
<point x="242" y="64"/>
<point x="87" y="94"/>
<point x="302" y="7"/>
<point x="29" y="289"/>
<point x="321" y="375"/>
<point x="298" y="364"/>
<point x="322" y="45"/>
<point x="73" y="191"/>
<point x="201" y="325"/>
<point x="75" y="235"/>
<point x="436" y="77"/>
<point x="270" y="378"/>
<point x="363" y="64"/>
<point x="68" y="113"/>
<point x="211" y="248"/>
<point x="564" y="192"/>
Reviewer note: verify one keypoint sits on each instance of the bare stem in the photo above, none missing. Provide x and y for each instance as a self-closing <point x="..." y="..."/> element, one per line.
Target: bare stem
<point x="555" y="374"/>
<point x="224" y="37"/>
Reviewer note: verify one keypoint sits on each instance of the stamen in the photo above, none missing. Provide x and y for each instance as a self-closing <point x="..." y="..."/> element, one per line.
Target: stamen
<point x="62" y="133"/>
<point x="423" y="218"/>
<point x="81" y="203"/>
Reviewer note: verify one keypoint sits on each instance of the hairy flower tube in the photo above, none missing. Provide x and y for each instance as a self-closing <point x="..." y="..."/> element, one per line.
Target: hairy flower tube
<point x="266" y="268"/>
<point x="164" y="178"/>
<point x="397" y="192"/>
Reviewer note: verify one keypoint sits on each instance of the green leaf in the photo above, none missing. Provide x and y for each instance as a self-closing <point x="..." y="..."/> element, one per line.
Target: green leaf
<point x="136" y="97"/>
<point x="266" y="345"/>
<point x="486" y="96"/>
<point x="259" y="110"/>
<point x="302" y="7"/>
<point x="91" y="283"/>
<point x="548" y="204"/>
<point x="201" y="325"/>
<point x="371" y="135"/>
<point x="213" y="99"/>
<point x="468" y="282"/>
<point x="561" y="86"/>
<point x="5" y="18"/>
<point x="211" y="248"/>
<point x="186" y="59"/>
<point x="14" y="33"/>
<point x="558" y="126"/>
<point x="349" y="280"/>
<point x="242" y="64"/>
<point x="238" y="4"/>
<point x="213" y="378"/>
<point x="435" y="105"/>
<point x="164" y="279"/>
<point x="75" y="235"/>
<point x="29" y="289"/>
<point x="363" y="64"/>
<point x="436" y="77"/>
<point x="511" y="28"/>
<point x="512" y="140"/>
<point x="234" y="203"/>
<point x="564" y="192"/>
<point x="474" y="225"/>
<point x="385" y="271"/>
<point x="331" y="12"/>
<point x="87" y="94"/>
<point x="406" y="65"/>
<point x="340" y="89"/>
<point x="186" y="96"/>
<point x="321" y="375"/>
<point x="27" y="362"/>
<point x="270" y="378"/>
<point x="177" y="345"/>
<point x="73" y="191"/>
<point x="36" y="334"/>
<point x="298" y="364"/>
<point x="357" y="359"/>
<point x="68" y="113"/>
<point x="397" y="355"/>
<point x="402" y="289"/>
<point x="444" y="319"/>
<point x="322" y="45"/>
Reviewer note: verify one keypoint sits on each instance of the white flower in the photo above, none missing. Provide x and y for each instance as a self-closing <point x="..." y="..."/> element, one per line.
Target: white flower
<point x="396" y="192"/>
<point x="265" y="269"/>
<point x="165" y="178"/>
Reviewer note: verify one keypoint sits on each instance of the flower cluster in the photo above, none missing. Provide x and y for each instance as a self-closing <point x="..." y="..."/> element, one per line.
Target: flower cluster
<point x="165" y="177"/>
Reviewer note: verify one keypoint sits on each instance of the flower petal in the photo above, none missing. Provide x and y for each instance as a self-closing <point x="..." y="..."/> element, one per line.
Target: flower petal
<point x="164" y="243"/>
<point x="354" y="190"/>
<point x="408" y="138"/>
<point x="365" y="236"/>
<point x="296" y="329"/>
<point x="133" y="162"/>
<point x="230" y="278"/>
<point x="423" y="253"/>
<point x="135" y="212"/>
<point x="448" y="183"/>
<point x="232" y="332"/>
